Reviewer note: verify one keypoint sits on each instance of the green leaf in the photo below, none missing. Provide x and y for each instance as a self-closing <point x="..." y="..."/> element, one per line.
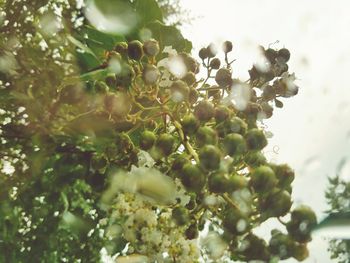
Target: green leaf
<point x="98" y="39"/>
<point x="335" y="225"/>
<point x="169" y="36"/>
<point x="95" y="75"/>
<point x="148" y="11"/>
<point x="80" y="45"/>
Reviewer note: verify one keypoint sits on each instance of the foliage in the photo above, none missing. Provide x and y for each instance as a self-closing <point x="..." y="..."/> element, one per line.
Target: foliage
<point x="338" y="196"/>
<point x="111" y="139"/>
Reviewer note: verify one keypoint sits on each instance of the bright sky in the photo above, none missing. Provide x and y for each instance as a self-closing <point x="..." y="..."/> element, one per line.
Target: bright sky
<point x="312" y="131"/>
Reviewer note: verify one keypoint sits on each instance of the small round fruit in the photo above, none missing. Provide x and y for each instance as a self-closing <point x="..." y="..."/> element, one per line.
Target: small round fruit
<point x="189" y="78"/>
<point x="125" y="77"/>
<point x="300" y="252"/>
<point x="190" y="124"/>
<point x="255" y="139"/>
<point x="277" y="203"/>
<point x="191" y="64"/>
<point x="193" y="96"/>
<point x="212" y="50"/>
<point x="209" y="157"/>
<point x="147" y="140"/>
<point x="203" y="53"/>
<point x="227" y="46"/>
<point x="263" y="179"/>
<point x="215" y="63"/>
<point x="180" y="215"/>
<point x="192" y="177"/>
<point x="255" y="159"/>
<point x="235" y="222"/>
<point x="222" y="113"/>
<point x="150" y="74"/>
<point x="233" y="125"/>
<point x="234" y="144"/>
<point x="223" y="77"/>
<point x="303" y="220"/>
<point x="165" y="144"/>
<point x="217" y="183"/>
<point x="271" y="55"/>
<point x="179" y="162"/>
<point x="281" y="245"/>
<point x="135" y="50"/>
<point x="180" y="91"/>
<point x="151" y="48"/>
<point x="284" y="174"/>
<point x="121" y="48"/>
<point x="284" y="54"/>
<point x="205" y="136"/>
<point x="191" y="232"/>
<point x="204" y="111"/>
<point x="236" y="182"/>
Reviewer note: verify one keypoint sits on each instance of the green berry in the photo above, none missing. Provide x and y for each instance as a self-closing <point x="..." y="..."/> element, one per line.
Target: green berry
<point x="223" y="77"/>
<point x="205" y="136"/>
<point x="234" y="144"/>
<point x="165" y="144"/>
<point x="255" y="139"/>
<point x="180" y="90"/>
<point x="192" y="177"/>
<point x="147" y="140"/>
<point x="227" y="46"/>
<point x="263" y="179"/>
<point x="284" y="174"/>
<point x="236" y="182"/>
<point x="277" y="203"/>
<point x="235" y="222"/>
<point x="180" y="216"/>
<point x="233" y="125"/>
<point x="179" y="162"/>
<point x="204" y="111"/>
<point x="300" y="252"/>
<point x="121" y="48"/>
<point x="215" y="63"/>
<point x="222" y="113"/>
<point x="256" y="249"/>
<point x="255" y="159"/>
<point x="217" y="183"/>
<point x="189" y="78"/>
<point x="281" y="245"/>
<point x="151" y="48"/>
<point x="135" y="50"/>
<point x="190" y="124"/>
<point x="303" y="220"/>
<point x="209" y="157"/>
<point x="125" y="77"/>
<point x="150" y="74"/>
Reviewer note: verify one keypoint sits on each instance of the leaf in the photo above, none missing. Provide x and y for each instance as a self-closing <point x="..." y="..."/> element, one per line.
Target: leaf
<point x="336" y="225"/>
<point x="169" y="36"/>
<point x="148" y="11"/>
<point x="95" y="75"/>
<point x="100" y="39"/>
<point x="80" y="45"/>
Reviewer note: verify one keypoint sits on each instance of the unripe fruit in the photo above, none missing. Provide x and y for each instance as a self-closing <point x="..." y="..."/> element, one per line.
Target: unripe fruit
<point x="189" y="78"/>
<point x="193" y="96"/>
<point x="234" y="144"/>
<point x="180" y="91"/>
<point x="255" y="159"/>
<point x="277" y="203"/>
<point x="217" y="183"/>
<point x="204" y="111"/>
<point x="284" y="54"/>
<point x="121" y="48"/>
<point x="147" y="140"/>
<point x="191" y="232"/>
<point x="209" y="157"/>
<point x="300" y="252"/>
<point x="179" y="162"/>
<point x="271" y="55"/>
<point x="222" y="113"/>
<point x="150" y="74"/>
<point x="212" y="50"/>
<point x="180" y="215"/>
<point x="203" y="53"/>
<point x="165" y="144"/>
<point x="256" y="249"/>
<point x="191" y="64"/>
<point x="263" y="179"/>
<point x="223" y="77"/>
<point x="233" y="125"/>
<point x="215" y="63"/>
<point x="190" y="124"/>
<point x="151" y="48"/>
<point x="284" y="174"/>
<point x="235" y="222"/>
<point x="192" y="177"/>
<point x="236" y="182"/>
<point x="125" y="77"/>
<point x="255" y="139"/>
<point x="135" y="50"/>
<point x="303" y="219"/>
<point x="227" y="46"/>
<point x="281" y="245"/>
<point x="205" y="136"/>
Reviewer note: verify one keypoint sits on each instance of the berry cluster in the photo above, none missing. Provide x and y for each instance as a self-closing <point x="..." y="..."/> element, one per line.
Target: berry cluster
<point x="196" y="134"/>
